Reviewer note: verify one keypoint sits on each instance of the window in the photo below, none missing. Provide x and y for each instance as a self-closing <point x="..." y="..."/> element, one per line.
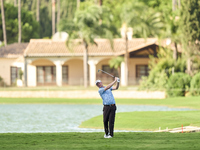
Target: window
<point x="46" y="75"/>
<point x="65" y="74"/>
<point x="142" y="70"/>
<point x="15" y="74"/>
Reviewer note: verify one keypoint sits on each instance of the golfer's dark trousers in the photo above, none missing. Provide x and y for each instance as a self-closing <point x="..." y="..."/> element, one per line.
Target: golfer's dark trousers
<point x="109" y="116"/>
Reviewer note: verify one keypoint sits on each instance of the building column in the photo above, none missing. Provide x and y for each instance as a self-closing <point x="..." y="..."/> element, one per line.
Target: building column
<point x="123" y="74"/>
<point x="59" y="72"/>
<point x="25" y="72"/>
<point x="92" y="64"/>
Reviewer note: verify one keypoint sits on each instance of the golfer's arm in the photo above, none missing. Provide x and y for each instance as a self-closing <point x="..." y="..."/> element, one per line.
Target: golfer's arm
<point x="116" y="87"/>
<point x="110" y="85"/>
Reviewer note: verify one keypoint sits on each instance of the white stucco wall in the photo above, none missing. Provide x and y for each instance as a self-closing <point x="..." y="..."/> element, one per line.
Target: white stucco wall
<point x="5" y="67"/>
<point x="75" y="71"/>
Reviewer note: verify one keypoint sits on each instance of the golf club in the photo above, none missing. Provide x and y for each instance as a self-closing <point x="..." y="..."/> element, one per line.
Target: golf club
<point x="106" y="73"/>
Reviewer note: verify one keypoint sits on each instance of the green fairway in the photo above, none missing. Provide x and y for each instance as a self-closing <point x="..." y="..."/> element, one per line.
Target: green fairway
<point x="148" y="120"/>
<point x="95" y="141"/>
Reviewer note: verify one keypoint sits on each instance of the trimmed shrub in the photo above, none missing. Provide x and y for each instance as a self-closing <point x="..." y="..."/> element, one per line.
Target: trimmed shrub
<point x="178" y="84"/>
<point x="1" y="82"/>
<point x="195" y="85"/>
<point x="159" y="82"/>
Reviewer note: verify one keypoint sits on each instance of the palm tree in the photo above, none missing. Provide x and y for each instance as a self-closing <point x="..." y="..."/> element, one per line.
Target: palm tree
<point x="58" y="12"/>
<point x="15" y="3"/>
<point x="129" y="18"/>
<point x="175" y="3"/>
<point x="87" y="29"/>
<point x="3" y="23"/>
<point x="100" y="2"/>
<point x="53" y="17"/>
<point x="172" y="33"/>
<point x="19" y="21"/>
<point x="115" y="62"/>
<point x="143" y="22"/>
<point x="78" y="4"/>
<point x="38" y="11"/>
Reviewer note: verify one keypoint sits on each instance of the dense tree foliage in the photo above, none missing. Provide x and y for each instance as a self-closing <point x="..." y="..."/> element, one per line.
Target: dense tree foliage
<point x="69" y="7"/>
<point x="29" y="25"/>
<point x="189" y="27"/>
<point x="67" y="12"/>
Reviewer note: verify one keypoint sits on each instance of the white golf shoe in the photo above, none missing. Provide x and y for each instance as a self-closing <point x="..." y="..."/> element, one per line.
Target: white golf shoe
<point x="107" y="136"/>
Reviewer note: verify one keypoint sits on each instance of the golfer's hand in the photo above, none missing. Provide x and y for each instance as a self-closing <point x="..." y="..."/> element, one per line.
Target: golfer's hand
<point x="116" y="78"/>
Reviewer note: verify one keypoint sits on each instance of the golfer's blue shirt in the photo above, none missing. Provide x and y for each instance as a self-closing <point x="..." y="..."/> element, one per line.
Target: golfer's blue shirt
<point x="107" y="96"/>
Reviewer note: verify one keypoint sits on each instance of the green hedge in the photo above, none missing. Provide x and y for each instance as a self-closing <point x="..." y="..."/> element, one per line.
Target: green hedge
<point x="160" y="73"/>
<point x="178" y="84"/>
<point x="195" y="85"/>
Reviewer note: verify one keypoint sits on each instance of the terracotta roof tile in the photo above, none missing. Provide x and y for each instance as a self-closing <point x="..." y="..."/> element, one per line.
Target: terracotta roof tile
<point x="13" y="50"/>
<point x="43" y="47"/>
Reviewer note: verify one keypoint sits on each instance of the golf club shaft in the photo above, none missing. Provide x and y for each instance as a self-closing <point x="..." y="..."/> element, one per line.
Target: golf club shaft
<point x="107" y="73"/>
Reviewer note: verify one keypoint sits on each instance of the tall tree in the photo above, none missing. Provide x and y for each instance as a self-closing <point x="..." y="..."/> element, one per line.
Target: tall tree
<point x="189" y="28"/>
<point x="19" y="22"/>
<point x="58" y="13"/>
<point x="100" y="2"/>
<point x="15" y="3"/>
<point x="53" y="17"/>
<point x="143" y="21"/>
<point x="173" y="24"/>
<point x="175" y="4"/>
<point x="87" y="28"/>
<point x="38" y="11"/>
<point x="78" y="4"/>
<point x="3" y="23"/>
<point x="30" y="27"/>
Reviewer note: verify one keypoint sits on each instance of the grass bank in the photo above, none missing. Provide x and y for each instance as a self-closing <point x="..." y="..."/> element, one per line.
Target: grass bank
<point x="148" y="120"/>
<point x="189" y="102"/>
<point x="91" y="141"/>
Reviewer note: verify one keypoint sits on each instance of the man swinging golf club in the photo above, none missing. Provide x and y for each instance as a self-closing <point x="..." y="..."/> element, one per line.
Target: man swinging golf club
<point x="109" y="105"/>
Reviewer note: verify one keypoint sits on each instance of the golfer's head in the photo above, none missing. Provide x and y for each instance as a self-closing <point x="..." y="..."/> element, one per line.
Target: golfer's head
<point x="98" y="83"/>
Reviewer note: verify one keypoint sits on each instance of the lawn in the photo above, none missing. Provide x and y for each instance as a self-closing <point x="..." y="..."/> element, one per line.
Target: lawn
<point x="122" y="140"/>
<point x="95" y="141"/>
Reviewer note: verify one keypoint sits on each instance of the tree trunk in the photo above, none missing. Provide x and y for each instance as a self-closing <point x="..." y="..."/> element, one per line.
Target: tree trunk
<point x="3" y="23"/>
<point x="19" y="21"/>
<point x="173" y="5"/>
<point x="15" y="3"/>
<point x="78" y="4"/>
<point x="38" y="11"/>
<point x="126" y="60"/>
<point x="53" y="17"/>
<point x="100" y="2"/>
<point x="175" y="53"/>
<point x="58" y="13"/>
<point x="85" y="65"/>
<point x="179" y="3"/>
<point x="189" y="70"/>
